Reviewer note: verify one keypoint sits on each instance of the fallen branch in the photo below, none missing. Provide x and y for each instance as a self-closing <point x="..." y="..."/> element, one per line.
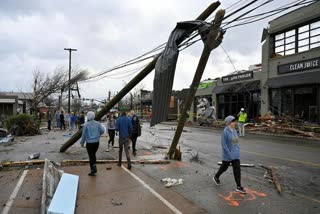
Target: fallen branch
<point x="273" y="177"/>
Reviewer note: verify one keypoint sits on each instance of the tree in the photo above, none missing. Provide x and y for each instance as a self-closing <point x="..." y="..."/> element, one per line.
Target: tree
<point x="45" y="85"/>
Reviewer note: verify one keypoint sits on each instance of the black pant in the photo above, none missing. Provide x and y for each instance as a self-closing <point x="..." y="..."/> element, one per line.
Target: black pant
<point x="49" y="125"/>
<point x="134" y="140"/>
<point x="62" y="125"/>
<point x="111" y="133"/>
<point x="92" y="148"/>
<point x="236" y="170"/>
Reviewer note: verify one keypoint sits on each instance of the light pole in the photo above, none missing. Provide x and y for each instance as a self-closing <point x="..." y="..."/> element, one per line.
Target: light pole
<point x="69" y="86"/>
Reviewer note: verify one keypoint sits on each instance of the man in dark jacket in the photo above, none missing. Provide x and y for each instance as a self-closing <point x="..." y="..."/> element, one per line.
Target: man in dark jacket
<point x="124" y="127"/>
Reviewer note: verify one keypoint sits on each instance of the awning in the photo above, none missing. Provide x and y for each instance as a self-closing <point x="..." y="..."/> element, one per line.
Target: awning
<point x="297" y="79"/>
<point x="7" y="101"/>
<point x="237" y="87"/>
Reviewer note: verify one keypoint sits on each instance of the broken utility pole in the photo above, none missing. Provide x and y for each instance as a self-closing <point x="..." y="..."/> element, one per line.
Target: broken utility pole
<point x="140" y="76"/>
<point x="213" y="41"/>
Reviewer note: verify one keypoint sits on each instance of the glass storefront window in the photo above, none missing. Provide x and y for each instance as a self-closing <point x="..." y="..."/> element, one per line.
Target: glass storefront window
<point x="287" y="102"/>
<point x="276" y="101"/>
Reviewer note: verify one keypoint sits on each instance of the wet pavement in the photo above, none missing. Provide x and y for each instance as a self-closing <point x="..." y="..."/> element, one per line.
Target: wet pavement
<point x="296" y="161"/>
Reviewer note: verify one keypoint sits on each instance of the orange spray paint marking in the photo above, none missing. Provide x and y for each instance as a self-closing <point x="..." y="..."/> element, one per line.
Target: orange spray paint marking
<point x="173" y="165"/>
<point x="234" y="198"/>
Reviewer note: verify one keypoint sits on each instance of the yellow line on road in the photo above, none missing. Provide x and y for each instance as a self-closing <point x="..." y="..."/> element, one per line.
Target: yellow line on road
<point x="282" y="158"/>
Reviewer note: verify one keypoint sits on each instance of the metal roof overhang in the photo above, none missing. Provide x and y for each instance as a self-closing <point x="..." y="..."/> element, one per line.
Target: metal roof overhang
<point x="297" y="79"/>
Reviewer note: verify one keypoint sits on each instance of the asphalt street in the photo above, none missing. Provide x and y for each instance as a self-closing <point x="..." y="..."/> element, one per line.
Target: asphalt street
<point x="295" y="161"/>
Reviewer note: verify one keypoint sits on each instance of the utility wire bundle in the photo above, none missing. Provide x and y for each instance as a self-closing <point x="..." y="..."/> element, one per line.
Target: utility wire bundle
<point x="141" y="61"/>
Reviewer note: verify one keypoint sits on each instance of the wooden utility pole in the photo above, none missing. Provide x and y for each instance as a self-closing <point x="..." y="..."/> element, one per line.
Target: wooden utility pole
<point x="213" y="41"/>
<point x="140" y="76"/>
<point x="69" y="86"/>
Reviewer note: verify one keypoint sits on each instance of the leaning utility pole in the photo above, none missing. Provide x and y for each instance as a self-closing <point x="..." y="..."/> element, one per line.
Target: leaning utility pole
<point x="69" y="86"/>
<point x="135" y="81"/>
<point x="213" y="41"/>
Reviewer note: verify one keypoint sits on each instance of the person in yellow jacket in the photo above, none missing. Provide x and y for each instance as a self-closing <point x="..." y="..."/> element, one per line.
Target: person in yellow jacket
<point x="242" y="118"/>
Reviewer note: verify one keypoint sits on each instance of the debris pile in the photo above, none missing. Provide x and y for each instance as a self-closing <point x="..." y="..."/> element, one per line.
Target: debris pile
<point x="285" y="125"/>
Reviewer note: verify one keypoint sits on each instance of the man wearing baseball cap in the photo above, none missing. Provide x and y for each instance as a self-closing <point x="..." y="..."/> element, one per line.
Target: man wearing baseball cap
<point x="242" y="119"/>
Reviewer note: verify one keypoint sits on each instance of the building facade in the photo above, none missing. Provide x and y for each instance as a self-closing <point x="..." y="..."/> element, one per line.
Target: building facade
<point x="241" y="89"/>
<point x="291" y="65"/>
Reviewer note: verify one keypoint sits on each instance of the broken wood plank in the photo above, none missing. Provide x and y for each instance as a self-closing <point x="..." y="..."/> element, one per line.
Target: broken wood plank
<point x="242" y="164"/>
<point x="21" y="163"/>
<point x="273" y="176"/>
<point x="74" y="162"/>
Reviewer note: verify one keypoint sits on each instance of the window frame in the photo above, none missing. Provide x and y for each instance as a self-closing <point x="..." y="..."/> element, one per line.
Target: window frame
<point x="283" y="43"/>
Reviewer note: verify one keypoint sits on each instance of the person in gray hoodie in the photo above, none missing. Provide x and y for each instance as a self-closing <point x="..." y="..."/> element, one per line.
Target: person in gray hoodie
<point x="230" y="153"/>
<point x="91" y="132"/>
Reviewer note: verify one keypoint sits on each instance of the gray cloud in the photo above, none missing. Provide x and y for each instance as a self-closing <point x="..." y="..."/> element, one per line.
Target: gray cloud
<point x="33" y="34"/>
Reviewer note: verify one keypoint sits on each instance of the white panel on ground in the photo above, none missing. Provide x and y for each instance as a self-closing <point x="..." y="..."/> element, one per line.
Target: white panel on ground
<point x="64" y="199"/>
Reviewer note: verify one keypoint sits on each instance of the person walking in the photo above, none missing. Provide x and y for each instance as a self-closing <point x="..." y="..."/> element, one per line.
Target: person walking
<point x="111" y="125"/>
<point x="81" y="120"/>
<point x="242" y="119"/>
<point x="91" y="132"/>
<point x="57" y="118"/>
<point x="124" y="126"/>
<point x="230" y="153"/>
<point x="73" y="120"/>
<point x="62" y="122"/>
<point x="49" y="119"/>
<point x="136" y="132"/>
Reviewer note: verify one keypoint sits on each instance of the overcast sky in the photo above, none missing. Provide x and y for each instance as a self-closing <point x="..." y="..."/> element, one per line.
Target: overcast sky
<point x="33" y="34"/>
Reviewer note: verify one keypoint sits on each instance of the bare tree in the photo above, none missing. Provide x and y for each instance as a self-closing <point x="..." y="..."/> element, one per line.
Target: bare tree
<point x="46" y="85"/>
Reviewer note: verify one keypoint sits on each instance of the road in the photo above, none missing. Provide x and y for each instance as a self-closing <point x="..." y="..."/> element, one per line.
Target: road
<point x="296" y="161"/>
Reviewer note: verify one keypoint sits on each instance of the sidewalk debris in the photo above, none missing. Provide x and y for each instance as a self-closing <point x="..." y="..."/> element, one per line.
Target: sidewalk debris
<point x="272" y="177"/>
<point x="34" y="156"/>
<point x="159" y="147"/>
<point x="115" y="203"/>
<point x="172" y="182"/>
<point x="242" y="164"/>
<point x="65" y="196"/>
<point x="8" y="138"/>
<point x="50" y="180"/>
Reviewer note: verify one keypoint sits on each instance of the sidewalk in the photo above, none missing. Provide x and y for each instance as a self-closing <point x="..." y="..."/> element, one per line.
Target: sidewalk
<point x="111" y="191"/>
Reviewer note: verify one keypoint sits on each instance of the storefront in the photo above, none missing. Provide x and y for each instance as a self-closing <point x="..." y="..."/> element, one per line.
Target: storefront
<point x="241" y="90"/>
<point x="291" y="62"/>
<point x="296" y="95"/>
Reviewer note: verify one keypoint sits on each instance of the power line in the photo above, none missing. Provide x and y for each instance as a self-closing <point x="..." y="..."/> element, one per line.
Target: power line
<point x="228" y="57"/>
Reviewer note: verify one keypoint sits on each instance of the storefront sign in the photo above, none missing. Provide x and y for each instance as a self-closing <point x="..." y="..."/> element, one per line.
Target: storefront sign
<point x="238" y="77"/>
<point x="299" y="66"/>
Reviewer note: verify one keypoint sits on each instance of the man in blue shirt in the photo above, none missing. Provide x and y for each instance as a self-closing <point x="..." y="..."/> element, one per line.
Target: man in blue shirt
<point x="91" y="132"/>
<point x="124" y="127"/>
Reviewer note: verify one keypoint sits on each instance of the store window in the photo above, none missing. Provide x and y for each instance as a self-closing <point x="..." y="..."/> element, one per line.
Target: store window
<point x="298" y="40"/>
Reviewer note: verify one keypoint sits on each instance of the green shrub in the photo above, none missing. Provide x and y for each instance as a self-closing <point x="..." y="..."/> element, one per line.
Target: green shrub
<point x="22" y="124"/>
